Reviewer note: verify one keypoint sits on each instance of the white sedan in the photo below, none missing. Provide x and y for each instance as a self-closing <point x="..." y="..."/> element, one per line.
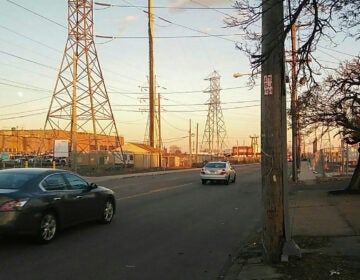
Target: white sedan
<point x="218" y="171"/>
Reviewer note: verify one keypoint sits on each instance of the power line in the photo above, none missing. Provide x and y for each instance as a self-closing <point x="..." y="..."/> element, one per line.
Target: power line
<point x="177" y="92"/>
<point x="337" y="51"/>
<point x="188" y="104"/>
<point x="23" y="116"/>
<point x="22" y="85"/>
<point x="173" y="23"/>
<point x="29" y="38"/>
<point x="43" y="111"/>
<point x="164" y="7"/>
<point x="168" y="37"/>
<point x="37" y="14"/>
<point x="214" y="9"/>
<point x="28" y="60"/>
<point x="192" y="29"/>
<point x="222" y="36"/>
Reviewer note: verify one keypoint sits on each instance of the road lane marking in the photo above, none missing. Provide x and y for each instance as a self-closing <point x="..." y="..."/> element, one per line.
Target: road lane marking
<point x="152" y="192"/>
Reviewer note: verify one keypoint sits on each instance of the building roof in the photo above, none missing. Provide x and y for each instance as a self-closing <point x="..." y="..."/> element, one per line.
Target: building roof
<point x="141" y="146"/>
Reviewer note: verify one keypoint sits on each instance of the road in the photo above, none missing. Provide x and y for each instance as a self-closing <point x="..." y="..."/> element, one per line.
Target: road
<point x="166" y="227"/>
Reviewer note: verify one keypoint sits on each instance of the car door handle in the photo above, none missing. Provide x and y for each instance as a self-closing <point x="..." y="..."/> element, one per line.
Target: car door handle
<point x="57" y="198"/>
<point x="78" y="196"/>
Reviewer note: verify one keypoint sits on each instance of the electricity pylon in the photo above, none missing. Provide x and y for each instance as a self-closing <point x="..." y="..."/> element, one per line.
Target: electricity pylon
<point x="254" y="144"/>
<point x="213" y="141"/>
<point x="80" y="102"/>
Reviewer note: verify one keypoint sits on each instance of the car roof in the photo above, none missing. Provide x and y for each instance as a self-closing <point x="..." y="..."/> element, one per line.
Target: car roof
<point x="34" y="171"/>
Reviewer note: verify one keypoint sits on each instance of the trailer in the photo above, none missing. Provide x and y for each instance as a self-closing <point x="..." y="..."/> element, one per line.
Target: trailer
<point x="124" y="158"/>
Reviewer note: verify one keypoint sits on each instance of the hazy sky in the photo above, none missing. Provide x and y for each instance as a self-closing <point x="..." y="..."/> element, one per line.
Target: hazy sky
<point x="33" y="35"/>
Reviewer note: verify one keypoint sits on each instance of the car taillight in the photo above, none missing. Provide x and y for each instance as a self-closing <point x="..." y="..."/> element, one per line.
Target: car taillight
<point x="12" y="205"/>
<point x="223" y="172"/>
<point x="202" y="171"/>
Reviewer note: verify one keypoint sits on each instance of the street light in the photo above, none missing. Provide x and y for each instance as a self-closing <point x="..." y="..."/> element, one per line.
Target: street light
<point x="238" y="75"/>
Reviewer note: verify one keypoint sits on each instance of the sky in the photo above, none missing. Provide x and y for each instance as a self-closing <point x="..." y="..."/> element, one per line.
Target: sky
<point x="33" y="35"/>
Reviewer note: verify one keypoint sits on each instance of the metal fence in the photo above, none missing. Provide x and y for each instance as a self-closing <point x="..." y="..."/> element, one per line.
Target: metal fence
<point x="334" y="161"/>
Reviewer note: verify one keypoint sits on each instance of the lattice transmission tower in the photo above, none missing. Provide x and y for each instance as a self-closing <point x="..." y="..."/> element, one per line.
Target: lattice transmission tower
<point x="80" y="103"/>
<point x="213" y="141"/>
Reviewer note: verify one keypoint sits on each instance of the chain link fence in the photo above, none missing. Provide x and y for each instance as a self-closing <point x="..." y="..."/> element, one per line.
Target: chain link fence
<point x="334" y="161"/>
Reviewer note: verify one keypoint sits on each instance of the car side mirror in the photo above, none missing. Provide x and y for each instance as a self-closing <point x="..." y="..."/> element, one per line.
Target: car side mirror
<point x="92" y="186"/>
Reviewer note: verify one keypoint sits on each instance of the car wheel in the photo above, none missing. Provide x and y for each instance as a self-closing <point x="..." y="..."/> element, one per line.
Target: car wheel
<point x="234" y="179"/>
<point x="108" y="212"/>
<point x="227" y="181"/>
<point x="47" y="228"/>
<point x="203" y="182"/>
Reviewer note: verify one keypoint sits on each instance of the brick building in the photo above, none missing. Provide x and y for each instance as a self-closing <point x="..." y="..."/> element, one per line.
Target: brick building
<point x="20" y="141"/>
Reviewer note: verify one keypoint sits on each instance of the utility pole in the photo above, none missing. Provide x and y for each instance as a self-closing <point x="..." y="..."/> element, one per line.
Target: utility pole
<point x="159" y="129"/>
<point x="273" y="128"/>
<point x="190" y="148"/>
<point x="294" y="114"/>
<point x="152" y="91"/>
<point x="197" y="143"/>
<point x="295" y="133"/>
<point x="277" y="240"/>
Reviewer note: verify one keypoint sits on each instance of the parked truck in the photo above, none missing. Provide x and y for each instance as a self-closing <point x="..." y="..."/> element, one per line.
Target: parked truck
<point x="124" y="158"/>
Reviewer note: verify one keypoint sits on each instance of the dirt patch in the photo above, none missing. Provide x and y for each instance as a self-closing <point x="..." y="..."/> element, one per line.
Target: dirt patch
<point x="316" y="265"/>
<point x="313" y="264"/>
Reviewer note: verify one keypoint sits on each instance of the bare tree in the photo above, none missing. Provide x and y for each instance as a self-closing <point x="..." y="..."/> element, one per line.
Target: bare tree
<point x="325" y="19"/>
<point x="336" y="104"/>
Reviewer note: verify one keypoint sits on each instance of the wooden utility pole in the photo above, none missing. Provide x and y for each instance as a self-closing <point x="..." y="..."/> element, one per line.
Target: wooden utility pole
<point x="159" y="130"/>
<point x="152" y="91"/>
<point x="190" y="147"/>
<point x="294" y="114"/>
<point x="273" y="128"/>
<point x="295" y="133"/>
<point x="197" y="143"/>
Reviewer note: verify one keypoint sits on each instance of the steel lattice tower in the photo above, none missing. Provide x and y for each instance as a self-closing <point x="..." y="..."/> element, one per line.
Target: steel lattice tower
<point x="80" y="102"/>
<point x="213" y="141"/>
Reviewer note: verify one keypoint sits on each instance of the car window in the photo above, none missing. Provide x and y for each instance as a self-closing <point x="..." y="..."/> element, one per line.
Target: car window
<point x="13" y="181"/>
<point x="76" y="182"/>
<point x="54" y="182"/>
<point x="216" y="165"/>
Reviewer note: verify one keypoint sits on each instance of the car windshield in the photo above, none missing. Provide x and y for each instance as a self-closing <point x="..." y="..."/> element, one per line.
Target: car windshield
<point x="14" y="180"/>
<point x="216" y="165"/>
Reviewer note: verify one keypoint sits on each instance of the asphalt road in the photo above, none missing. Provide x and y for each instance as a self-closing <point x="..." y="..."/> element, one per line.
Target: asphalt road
<point x="166" y="227"/>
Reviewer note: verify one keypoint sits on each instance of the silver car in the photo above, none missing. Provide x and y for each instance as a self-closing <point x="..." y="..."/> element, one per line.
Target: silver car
<point x="218" y="171"/>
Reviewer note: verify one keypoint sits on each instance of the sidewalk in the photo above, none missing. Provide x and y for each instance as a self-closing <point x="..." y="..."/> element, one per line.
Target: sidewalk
<point x="325" y="226"/>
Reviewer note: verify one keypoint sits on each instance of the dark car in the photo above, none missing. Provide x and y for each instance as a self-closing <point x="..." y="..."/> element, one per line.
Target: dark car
<point x="40" y="201"/>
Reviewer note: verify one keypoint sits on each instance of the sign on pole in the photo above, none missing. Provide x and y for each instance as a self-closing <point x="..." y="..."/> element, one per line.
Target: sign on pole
<point x="268" y="87"/>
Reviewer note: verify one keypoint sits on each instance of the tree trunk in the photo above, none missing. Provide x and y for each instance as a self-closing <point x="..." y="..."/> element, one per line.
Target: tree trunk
<point x="355" y="179"/>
